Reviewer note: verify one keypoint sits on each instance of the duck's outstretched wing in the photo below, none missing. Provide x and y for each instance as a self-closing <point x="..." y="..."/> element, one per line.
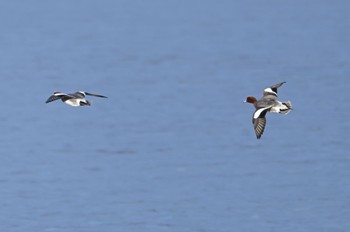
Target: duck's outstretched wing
<point x="95" y="95"/>
<point x="57" y="95"/>
<point x="273" y="89"/>
<point x="259" y="121"/>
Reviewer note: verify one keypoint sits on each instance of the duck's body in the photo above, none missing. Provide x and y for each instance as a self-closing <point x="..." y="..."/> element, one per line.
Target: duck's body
<point x="73" y="99"/>
<point x="268" y="103"/>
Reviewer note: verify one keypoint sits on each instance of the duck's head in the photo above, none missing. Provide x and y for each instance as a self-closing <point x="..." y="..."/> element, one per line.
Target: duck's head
<point x="250" y="99"/>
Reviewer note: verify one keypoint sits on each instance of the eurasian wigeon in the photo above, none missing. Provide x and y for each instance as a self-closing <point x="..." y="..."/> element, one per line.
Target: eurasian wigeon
<point x="268" y="103"/>
<point x="73" y="99"/>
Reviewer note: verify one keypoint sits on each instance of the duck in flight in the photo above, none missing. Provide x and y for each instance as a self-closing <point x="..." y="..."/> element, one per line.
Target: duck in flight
<point x="73" y="99"/>
<point x="268" y="103"/>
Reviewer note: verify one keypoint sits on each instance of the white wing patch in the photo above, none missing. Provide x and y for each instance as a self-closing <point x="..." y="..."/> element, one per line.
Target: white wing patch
<point x="59" y="94"/>
<point x="269" y="90"/>
<point x="259" y="111"/>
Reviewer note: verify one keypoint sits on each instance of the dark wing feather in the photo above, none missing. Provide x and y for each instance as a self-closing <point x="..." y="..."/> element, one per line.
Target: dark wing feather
<point x="259" y="121"/>
<point x="53" y="98"/>
<point x="57" y="96"/>
<point x="259" y="126"/>
<point x="95" y="95"/>
<point x="276" y="86"/>
<point x="273" y="89"/>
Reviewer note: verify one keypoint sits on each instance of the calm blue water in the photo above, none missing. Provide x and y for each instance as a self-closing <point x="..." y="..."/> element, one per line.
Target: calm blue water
<point x="173" y="148"/>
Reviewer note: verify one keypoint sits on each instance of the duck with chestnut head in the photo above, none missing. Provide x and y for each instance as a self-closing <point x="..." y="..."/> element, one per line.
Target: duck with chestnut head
<point x="268" y="103"/>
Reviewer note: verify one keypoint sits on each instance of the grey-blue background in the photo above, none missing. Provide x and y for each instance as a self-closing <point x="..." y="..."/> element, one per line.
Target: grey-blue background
<point x="173" y="148"/>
